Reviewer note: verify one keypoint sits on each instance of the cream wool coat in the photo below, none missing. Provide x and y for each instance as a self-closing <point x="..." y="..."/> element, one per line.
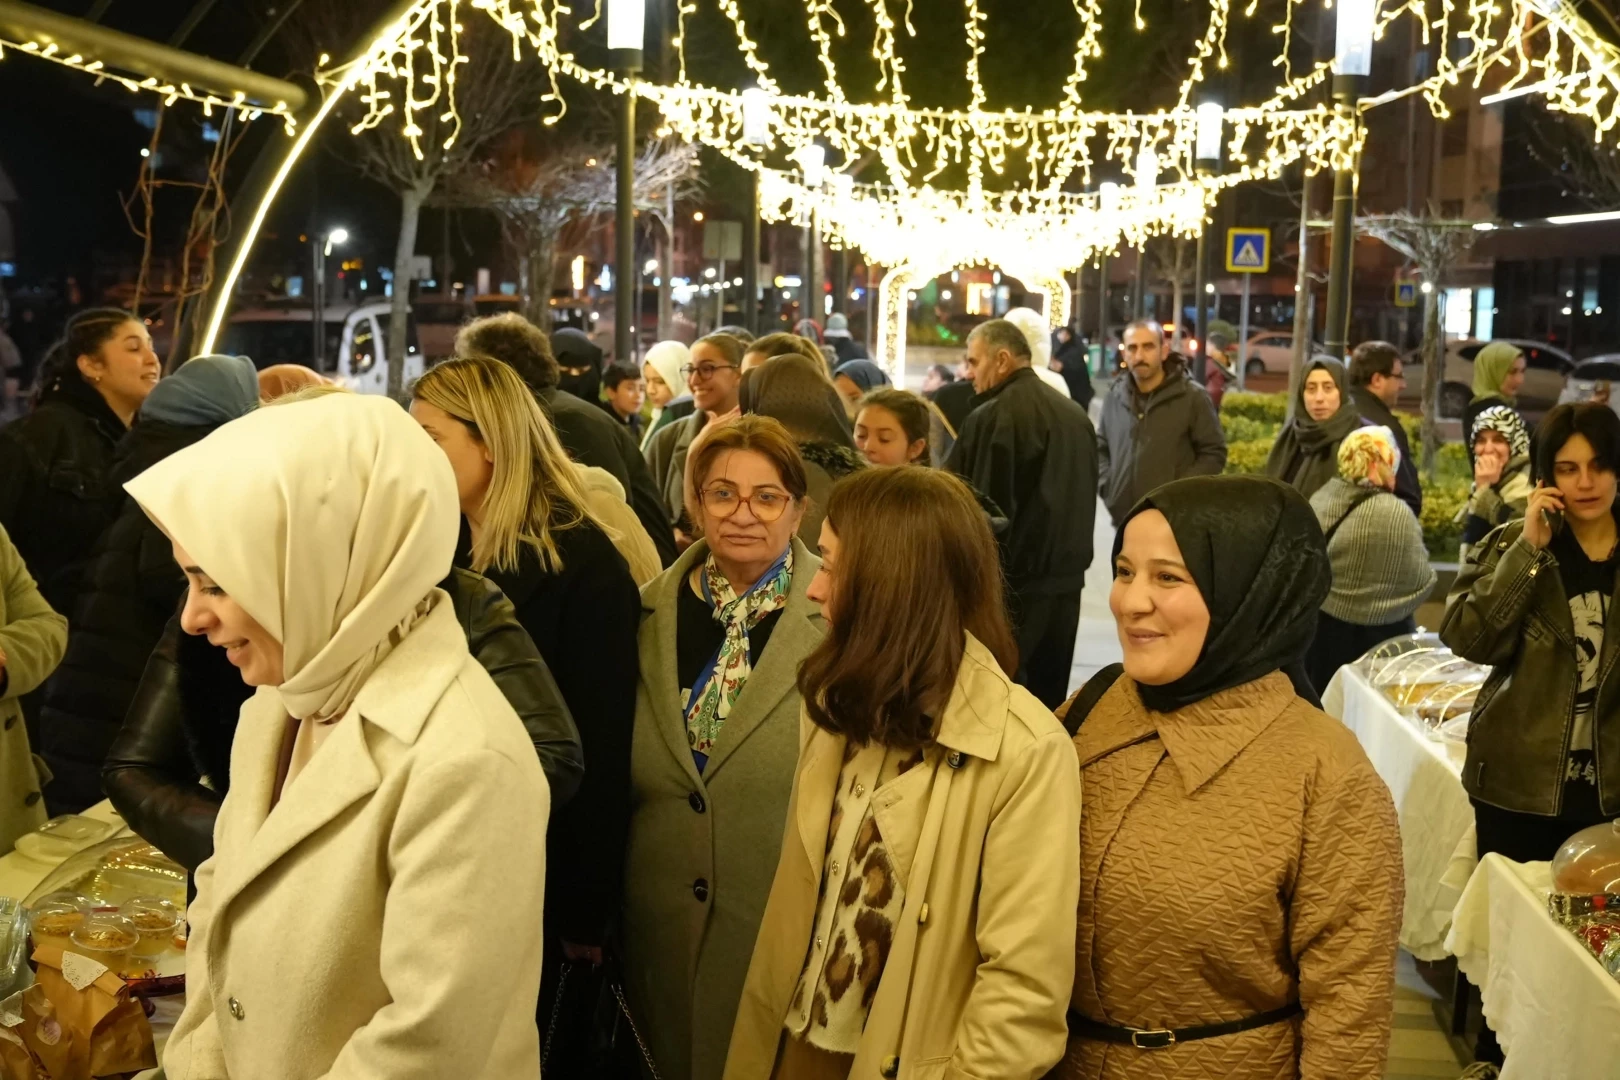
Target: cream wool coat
<point x="687" y="944"/>
<point x="985" y="835"/>
<point x="33" y="638"/>
<point x="386" y="921"/>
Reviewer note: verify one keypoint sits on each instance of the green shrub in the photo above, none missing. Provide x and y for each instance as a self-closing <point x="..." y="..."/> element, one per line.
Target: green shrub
<point x="1442" y="533"/>
<point x="1266" y="408"/>
<point x="1244" y="429"/>
<point x="1414" y="430"/>
<point x="1248" y="456"/>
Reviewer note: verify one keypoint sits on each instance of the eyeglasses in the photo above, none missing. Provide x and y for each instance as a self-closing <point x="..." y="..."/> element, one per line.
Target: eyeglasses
<point x="722" y="501"/>
<point x="703" y="371"/>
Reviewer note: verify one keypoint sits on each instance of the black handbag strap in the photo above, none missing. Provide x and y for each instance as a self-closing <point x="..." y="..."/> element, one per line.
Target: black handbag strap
<point x="1357" y="501"/>
<point x="1089" y="695"/>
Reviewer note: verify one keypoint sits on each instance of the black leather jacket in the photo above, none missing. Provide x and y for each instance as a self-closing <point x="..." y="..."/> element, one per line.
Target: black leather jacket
<point x="181" y="721"/>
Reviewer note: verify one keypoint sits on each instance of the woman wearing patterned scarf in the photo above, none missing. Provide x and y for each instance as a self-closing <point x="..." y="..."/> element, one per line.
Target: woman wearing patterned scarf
<point x="1501" y="449"/>
<point x="717" y="734"/>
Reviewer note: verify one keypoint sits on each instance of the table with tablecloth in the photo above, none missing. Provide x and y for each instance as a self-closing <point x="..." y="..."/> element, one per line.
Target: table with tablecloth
<point x="1436" y="819"/>
<point x="1554" y="1009"/>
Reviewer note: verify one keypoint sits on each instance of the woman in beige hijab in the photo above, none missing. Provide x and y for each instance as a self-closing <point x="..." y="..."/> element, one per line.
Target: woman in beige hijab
<point x="372" y="905"/>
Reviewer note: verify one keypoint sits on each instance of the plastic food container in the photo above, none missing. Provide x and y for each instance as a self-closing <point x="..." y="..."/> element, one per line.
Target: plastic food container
<point x="1588" y="864"/>
<point x="52" y="922"/>
<point x="106" y="938"/>
<point x="156" y="921"/>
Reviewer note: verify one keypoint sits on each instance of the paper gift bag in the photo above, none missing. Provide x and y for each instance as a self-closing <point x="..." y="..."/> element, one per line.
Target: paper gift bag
<point x="81" y="1021"/>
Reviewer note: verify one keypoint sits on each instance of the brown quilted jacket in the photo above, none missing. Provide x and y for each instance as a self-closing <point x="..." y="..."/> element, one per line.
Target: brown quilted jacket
<point x="1235" y="855"/>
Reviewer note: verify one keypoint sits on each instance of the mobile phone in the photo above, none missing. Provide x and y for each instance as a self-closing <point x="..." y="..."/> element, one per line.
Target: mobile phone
<point x="1554" y="520"/>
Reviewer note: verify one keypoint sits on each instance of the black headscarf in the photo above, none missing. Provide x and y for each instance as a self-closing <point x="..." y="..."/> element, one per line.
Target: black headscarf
<point x="1257" y="555"/>
<point x="1306" y="451"/>
<point x="574" y="350"/>
<point x="794" y="390"/>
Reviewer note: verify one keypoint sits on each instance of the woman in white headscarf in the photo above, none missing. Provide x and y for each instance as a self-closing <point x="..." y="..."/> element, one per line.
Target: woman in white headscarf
<point x="372" y="906"/>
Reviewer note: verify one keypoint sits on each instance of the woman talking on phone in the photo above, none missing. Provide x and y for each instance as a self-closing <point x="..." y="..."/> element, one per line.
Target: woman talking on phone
<point x="1535" y="605"/>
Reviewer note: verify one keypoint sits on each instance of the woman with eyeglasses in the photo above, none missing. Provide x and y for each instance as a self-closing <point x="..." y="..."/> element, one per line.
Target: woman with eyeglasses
<point x="714" y="376"/>
<point x="716" y="739"/>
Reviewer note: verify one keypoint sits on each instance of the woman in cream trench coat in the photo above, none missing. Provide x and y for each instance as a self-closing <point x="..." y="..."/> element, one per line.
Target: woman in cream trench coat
<point x="382" y="918"/>
<point x="32" y="641"/>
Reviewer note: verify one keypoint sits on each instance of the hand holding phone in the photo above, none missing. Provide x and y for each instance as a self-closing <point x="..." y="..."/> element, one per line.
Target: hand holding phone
<point x="1544" y="517"/>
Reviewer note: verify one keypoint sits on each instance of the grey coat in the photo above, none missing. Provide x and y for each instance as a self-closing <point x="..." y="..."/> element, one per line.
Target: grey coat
<point x="703" y="849"/>
<point x="1172" y="434"/>
<point x="666" y="457"/>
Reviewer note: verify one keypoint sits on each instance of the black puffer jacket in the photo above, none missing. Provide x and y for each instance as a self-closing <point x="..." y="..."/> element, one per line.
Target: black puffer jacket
<point x="57" y="495"/>
<point x="128" y="592"/>
<point x="177" y="737"/>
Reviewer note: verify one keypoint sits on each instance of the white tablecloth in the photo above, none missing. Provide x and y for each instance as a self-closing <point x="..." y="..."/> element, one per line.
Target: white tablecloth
<point x="1552" y="1006"/>
<point x="1437" y="821"/>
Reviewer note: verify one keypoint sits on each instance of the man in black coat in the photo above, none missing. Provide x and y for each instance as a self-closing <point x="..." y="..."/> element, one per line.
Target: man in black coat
<point x="588" y="434"/>
<point x="1034" y="452"/>
<point x="1376" y="381"/>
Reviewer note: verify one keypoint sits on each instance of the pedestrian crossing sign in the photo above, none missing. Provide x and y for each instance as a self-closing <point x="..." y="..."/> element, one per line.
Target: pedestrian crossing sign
<point x="1406" y="294"/>
<point x="1248" y="251"/>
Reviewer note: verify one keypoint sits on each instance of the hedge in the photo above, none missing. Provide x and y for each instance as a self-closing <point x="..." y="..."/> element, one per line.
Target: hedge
<point x="1251" y="423"/>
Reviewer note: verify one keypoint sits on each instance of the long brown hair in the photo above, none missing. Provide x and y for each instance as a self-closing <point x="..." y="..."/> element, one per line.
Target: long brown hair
<point x="917" y="569"/>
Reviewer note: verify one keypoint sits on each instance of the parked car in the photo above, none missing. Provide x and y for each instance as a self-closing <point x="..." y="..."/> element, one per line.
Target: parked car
<point x="355" y="342"/>
<point x="1545" y="370"/>
<point x="1596" y="379"/>
<point x="1271" y="352"/>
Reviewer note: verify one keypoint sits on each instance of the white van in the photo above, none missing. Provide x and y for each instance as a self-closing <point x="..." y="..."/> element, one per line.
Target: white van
<point x="356" y="342"/>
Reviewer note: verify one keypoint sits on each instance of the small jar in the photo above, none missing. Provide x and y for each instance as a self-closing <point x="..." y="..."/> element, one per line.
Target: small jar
<point x="106" y="938"/>
<point x="156" y="920"/>
<point x="52" y="922"/>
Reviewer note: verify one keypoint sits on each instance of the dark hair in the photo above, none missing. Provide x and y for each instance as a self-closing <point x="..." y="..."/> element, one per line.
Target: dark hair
<point x="84" y="335"/>
<point x="785" y="344"/>
<point x="1000" y="334"/>
<point x="1145" y="324"/>
<point x="1597" y="423"/>
<point x="729" y="344"/>
<point x="909" y="409"/>
<point x="944" y="372"/>
<point x="917" y="568"/>
<point x="1372" y="358"/>
<point x="741" y="334"/>
<point x="619" y="372"/>
<point x="515" y="342"/>
<point x="761" y="435"/>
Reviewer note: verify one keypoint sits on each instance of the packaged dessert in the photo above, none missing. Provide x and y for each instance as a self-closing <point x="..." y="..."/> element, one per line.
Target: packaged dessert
<point x="156" y="921"/>
<point x="106" y="938"/>
<point x="52" y="922"/>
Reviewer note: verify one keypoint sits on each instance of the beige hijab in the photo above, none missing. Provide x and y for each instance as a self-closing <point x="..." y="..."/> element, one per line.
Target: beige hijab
<point x="330" y="521"/>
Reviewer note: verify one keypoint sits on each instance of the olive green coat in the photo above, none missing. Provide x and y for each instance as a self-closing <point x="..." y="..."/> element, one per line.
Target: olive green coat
<point x="32" y="641"/>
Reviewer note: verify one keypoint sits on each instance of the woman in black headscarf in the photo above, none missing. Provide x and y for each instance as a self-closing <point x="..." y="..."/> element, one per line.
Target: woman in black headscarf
<point x="579" y="364"/>
<point x="1306" y="453"/>
<point x="794" y="390"/>
<point x="1240" y="860"/>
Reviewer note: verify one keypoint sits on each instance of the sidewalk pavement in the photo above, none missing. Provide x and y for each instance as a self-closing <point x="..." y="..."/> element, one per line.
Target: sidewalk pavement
<point x="1097" y="644"/>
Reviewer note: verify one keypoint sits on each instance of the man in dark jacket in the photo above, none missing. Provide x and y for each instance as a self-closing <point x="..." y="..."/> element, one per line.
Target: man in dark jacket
<point x="588" y="434"/>
<point x="1157" y="425"/>
<point x="1034" y="453"/>
<point x="1376" y="381"/>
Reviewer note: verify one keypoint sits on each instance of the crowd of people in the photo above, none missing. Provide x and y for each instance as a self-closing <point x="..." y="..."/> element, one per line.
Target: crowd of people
<point x="737" y="739"/>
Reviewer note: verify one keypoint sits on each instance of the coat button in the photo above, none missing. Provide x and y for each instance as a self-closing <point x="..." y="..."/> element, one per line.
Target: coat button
<point x="955" y="760"/>
<point x="695" y="801"/>
<point x="891" y="1067"/>
<point x="11" y="722"/>
<point x="33" y="798"/>
<point x="700" y="889"/>
<point x="236" y="1008"/>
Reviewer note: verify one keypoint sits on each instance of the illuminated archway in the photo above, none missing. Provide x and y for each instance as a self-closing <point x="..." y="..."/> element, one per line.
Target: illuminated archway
<point x="893" y="305"/>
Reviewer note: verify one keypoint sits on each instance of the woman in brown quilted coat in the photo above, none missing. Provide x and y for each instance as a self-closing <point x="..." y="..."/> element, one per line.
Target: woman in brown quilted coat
<point x="1240" y="863"/>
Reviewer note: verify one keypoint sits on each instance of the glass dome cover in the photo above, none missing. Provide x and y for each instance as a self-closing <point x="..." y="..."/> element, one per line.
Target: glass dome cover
<point x="1588" y="864"/>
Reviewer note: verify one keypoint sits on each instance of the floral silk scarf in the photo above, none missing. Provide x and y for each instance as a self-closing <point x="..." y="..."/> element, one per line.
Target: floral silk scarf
<point x="721" y="682"/>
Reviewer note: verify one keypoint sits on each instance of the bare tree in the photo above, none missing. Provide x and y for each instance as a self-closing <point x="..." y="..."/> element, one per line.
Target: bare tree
<point x="1435" y="246"/>
<point x="1173" y="264"/>
<point x="1588" y="166"/>
<point x="492" y="92"/>
<point x="541" y="191"/>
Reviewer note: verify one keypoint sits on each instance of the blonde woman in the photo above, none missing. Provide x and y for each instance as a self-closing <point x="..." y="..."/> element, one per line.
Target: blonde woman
<point x="527" y="526"/>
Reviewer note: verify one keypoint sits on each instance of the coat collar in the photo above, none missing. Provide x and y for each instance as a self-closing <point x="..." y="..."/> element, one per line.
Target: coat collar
<point x="397" y="699"/>
<point x="1201" y="739"/>
<point x="776" y="674"/>
<point x="975" y="717"/>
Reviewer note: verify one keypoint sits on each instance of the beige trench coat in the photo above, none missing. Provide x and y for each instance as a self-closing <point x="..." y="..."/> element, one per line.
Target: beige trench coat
<point x="1237" y="855"/>
<point x="384" y="919"/>
<point x="32" y="639"/>
<point x="702" y="848"/>
<point x="985" y="835"/>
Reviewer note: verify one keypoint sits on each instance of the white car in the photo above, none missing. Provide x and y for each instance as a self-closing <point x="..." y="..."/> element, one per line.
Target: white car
<point x="1270" y="352"/>
<point x="1595" y="379"/>
<point x="356" y="353"/>
<point x="1545" y="369"/>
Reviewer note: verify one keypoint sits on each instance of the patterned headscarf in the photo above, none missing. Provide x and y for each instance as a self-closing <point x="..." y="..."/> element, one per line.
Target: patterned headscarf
<point x="721" y="682"/>
<point x="1507" y="423"/>
<point x="1369" y="457"/>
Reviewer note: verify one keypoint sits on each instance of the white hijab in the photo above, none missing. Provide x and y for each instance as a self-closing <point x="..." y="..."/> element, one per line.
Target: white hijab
<point x="330" y="521"/>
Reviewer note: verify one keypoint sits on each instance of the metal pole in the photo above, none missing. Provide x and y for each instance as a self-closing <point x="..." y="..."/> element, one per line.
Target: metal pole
<point x="624" y="278"/>
<point x="1243" y="333"/>
<point x="1200" y="276"/>
<point x="318" y="295"/>
<point x="720" y="303"/>
<point x="1141" y="282"/>
<point x="750" y="256"/>
<point x="814" y="279"/>
<point x="1102" y="316"/>
<point x="1341" y="258"/>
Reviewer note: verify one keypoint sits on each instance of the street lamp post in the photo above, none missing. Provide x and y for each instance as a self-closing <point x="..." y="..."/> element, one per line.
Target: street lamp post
<point x="756" y="106"/>
<point x="626" y="32"/>
<point x="1211" y="117"/>
<point x="813" y="162"/>
<point x="1147" y="179"/>
<point x="1353" y="61"/>
<point x="1108" y="205"/>
<point x="322" y="245"/>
